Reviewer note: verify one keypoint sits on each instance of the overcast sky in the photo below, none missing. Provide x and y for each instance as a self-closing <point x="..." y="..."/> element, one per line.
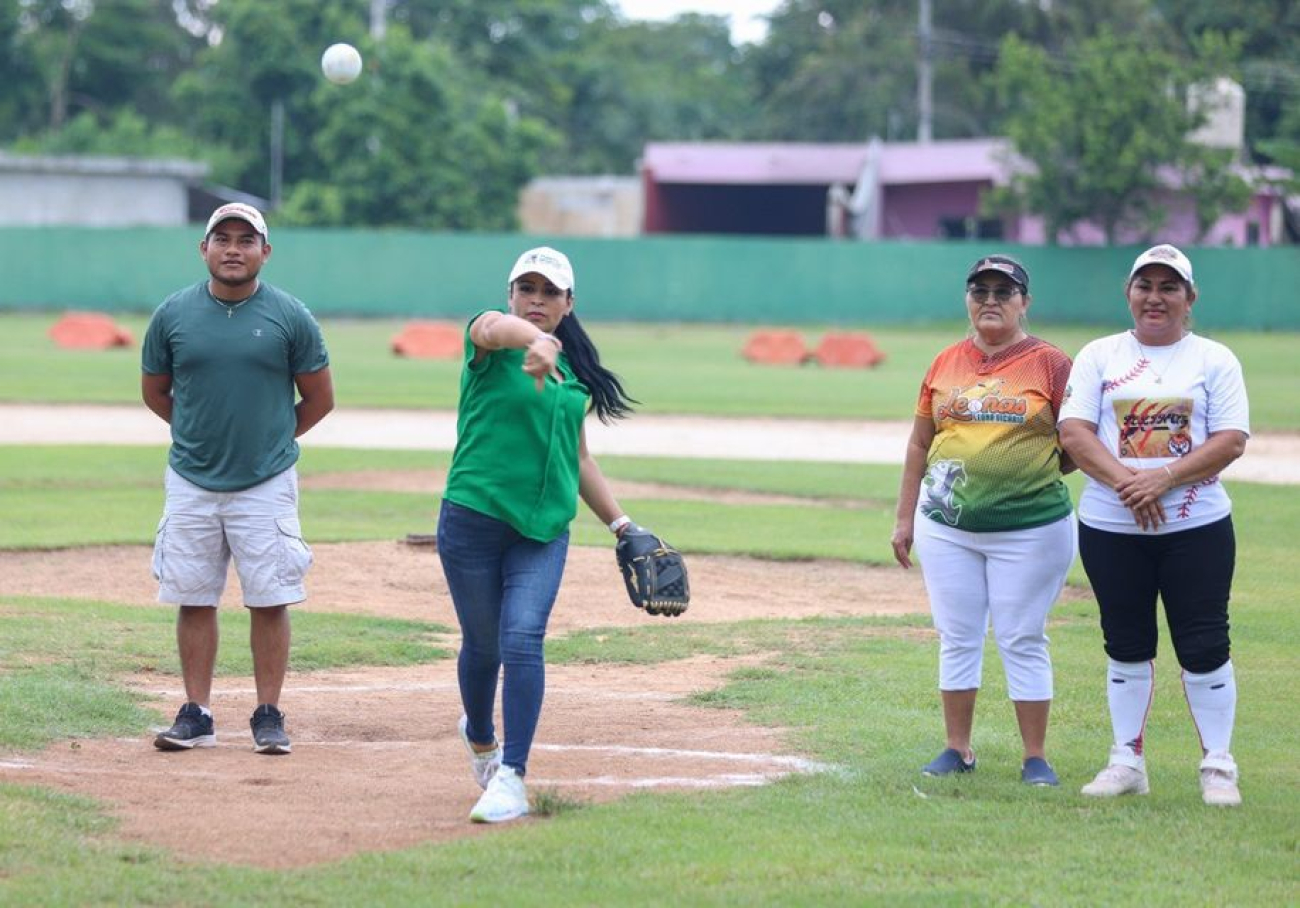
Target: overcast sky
<point x="746" y="26"/>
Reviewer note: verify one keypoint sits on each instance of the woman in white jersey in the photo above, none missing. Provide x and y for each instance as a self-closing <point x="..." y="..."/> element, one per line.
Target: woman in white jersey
<point x="1152" y="416"/>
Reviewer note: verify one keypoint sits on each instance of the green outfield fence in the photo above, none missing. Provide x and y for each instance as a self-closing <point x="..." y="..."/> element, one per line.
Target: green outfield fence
<point x="707" y="279"/>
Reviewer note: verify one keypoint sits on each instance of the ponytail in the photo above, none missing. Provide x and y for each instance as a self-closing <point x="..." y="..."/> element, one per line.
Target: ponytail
<point x="608" y="399"/>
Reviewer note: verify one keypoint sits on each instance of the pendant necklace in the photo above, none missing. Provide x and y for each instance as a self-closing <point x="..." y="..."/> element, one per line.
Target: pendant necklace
<point x="1159" y="374"/>
<point x="230" y="307"/>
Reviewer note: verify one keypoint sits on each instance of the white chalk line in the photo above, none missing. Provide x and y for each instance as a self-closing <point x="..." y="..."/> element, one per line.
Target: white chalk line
<point x="799" y="764"/>
<point x="785" y="765"/>
<point x="729" y="780"/>
<point x="788" y="765"/>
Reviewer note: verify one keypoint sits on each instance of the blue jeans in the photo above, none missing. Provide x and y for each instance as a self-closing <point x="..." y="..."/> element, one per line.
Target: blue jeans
<point x="503" y="586"/>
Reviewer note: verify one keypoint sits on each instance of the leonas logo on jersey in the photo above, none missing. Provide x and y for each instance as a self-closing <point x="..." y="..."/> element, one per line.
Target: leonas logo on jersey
<point x="983" y="402"/>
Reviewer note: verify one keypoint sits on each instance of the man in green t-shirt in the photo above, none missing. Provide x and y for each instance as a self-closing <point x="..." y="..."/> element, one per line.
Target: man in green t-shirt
<point x="222" y="360"/>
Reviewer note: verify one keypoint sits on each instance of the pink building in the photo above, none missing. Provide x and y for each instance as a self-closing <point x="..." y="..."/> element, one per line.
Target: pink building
<point x="874" y="190"/>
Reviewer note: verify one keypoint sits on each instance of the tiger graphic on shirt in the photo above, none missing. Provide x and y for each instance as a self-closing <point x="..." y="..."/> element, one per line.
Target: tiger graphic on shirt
<point x="1153" y="427"/>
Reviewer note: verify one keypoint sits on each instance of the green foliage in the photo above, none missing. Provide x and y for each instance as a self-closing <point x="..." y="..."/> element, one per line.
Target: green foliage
<point x="372" y="167"/>
<point x="841" y="71"/>
<point x="127" y="132"/>
<point x="1102" y="146"/>
<point x="1269" y="36"/>
<point x="677" y="81"/>
<point x="83" y="56"/>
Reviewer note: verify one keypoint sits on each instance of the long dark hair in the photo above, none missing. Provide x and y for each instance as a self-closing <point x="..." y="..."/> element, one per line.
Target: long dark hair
<point x="608" y="399"/>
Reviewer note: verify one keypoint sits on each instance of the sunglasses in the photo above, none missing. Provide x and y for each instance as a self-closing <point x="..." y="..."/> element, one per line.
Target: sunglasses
<point x="981" y="294"/>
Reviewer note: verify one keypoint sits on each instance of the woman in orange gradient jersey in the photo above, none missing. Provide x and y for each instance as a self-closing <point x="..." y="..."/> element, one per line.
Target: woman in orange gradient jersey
<point x="983" y="501"/>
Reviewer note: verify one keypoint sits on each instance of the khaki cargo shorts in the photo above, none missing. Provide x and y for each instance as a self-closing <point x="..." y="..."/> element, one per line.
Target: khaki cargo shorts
<point x="201" y="530"/>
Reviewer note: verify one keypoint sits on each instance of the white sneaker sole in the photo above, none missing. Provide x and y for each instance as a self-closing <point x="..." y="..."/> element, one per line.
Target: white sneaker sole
<point x="162" y="742"/>
<point x="272" y="749"/>
<point x="477" y="816"/>
<point x="1111" y="793"/>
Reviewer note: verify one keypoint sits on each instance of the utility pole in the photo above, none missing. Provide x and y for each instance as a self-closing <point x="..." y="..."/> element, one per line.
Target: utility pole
<point x="378" y="19"/>
<point x="277" y="152"/>
<point x="924" y="94"/>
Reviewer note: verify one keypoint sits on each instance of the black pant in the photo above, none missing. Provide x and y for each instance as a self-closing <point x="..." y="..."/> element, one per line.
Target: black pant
<point x="1191" y="572"/>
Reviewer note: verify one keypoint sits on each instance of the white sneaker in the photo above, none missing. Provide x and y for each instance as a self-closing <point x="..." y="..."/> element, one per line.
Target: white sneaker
<point x="505" y="799"/>
<point x="483" y="765"/>
<point x="1219" y="780"/>
<point x="1125" y="774"/>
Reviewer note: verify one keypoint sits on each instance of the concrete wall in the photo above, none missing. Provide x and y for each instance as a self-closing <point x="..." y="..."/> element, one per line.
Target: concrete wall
<point x="95" y="191"/>
<point x="707" y="279"/>
<point x="604" y="206"/>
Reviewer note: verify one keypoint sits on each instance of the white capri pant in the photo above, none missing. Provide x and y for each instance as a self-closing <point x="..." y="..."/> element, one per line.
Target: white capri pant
<point x="1012" y="577"/>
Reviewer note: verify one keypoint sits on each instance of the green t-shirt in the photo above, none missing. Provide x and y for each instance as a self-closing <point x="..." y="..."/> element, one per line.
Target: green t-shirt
<point x="516" y="456"/>
<point x="233" y="392"/>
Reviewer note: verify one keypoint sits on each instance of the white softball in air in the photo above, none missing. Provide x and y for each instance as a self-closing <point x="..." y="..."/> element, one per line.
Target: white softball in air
<point x="341" y="63"/>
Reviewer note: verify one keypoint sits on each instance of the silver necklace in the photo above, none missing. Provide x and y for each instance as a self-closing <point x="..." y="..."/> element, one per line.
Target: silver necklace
<point x="1146" y="355"/>
<point x="230" y="307"/>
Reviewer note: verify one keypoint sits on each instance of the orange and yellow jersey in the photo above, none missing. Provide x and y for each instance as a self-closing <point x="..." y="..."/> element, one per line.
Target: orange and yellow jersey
<point x="995" y="462"/>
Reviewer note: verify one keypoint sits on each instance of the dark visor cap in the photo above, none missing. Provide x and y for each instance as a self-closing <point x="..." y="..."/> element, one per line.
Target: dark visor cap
<point x="1003" y="264"/>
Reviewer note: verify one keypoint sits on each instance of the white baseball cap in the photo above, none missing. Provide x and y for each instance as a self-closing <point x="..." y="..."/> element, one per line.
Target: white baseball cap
<point x="238" y="210"/>
<point x="1164" y="254"/>
<point x="549" y="263"/>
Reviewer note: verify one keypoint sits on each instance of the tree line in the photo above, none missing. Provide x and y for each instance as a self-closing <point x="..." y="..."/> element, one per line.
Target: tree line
<point x="463" y="101"/>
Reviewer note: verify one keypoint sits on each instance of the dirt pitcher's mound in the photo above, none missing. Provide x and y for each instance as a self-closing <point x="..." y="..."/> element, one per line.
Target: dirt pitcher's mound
<point x="377" y="762"/>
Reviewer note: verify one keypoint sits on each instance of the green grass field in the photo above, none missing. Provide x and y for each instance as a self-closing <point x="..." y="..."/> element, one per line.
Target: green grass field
<point x="670" y="368"/>
<point x="855" y="693"/>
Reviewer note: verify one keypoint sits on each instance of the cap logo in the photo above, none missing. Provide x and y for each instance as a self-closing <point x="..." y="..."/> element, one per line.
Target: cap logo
<point x="538" y="258"/>
<point x="238" y="211"/>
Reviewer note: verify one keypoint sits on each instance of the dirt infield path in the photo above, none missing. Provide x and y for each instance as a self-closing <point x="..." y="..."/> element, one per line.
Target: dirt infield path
<point x="1273" y="457"/>
<point x="396" y="580"/>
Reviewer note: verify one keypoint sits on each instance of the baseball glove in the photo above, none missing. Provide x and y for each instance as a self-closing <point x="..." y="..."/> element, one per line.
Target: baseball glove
<point x="653" y="571"/>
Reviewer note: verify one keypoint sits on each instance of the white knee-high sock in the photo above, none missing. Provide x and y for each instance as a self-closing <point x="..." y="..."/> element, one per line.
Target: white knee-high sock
<point x="1129" y="688"/>
<point x="1212" y="698"/>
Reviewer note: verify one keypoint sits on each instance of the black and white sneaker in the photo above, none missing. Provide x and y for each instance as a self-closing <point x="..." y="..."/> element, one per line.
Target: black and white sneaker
<point x="191" y="729"/>
<point x="268" y="731"/>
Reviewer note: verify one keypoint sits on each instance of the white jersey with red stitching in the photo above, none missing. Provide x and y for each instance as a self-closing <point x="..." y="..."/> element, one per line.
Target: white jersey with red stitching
<point x="1151" y="406"/>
